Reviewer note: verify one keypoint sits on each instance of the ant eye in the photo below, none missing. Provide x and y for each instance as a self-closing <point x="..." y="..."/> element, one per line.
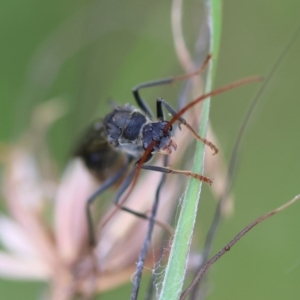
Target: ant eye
<point x="170" y="128"/>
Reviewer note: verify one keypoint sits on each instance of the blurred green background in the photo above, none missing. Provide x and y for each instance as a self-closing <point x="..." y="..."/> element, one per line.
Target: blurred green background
<point x="91" y="52"/>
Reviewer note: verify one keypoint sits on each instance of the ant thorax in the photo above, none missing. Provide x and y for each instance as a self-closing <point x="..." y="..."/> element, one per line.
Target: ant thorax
<point x="132" y="131"/>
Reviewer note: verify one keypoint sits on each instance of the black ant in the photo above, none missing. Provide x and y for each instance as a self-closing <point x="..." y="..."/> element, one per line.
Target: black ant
<point x="110" y="145"/>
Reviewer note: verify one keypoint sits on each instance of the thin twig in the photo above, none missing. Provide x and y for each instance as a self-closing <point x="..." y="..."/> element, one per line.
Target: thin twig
<point x="226" y="248"/>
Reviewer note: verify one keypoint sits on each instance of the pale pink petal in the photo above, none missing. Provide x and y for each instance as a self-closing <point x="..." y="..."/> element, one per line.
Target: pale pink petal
<point x="77" y="185"/>
<point x="18" y="268"/>
<point x="15" y="240"/>
<point x="21" y="175"/>
<point x="23" y="198"/>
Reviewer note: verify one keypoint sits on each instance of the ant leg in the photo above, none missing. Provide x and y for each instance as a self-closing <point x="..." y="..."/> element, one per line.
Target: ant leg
<point x="173" y="171"/>
<point x="106" y="184"/>
<point x="121" y="191"/>
<point x="159" y="111"/>
<point x="142" y="104"/>
<point x="139" y="100"/>
<point x="161" y="102"/>
<point x="146" y="244"/>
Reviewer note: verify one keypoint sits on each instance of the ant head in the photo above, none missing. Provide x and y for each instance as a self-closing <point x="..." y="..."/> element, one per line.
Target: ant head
<point x="155" y="131"/>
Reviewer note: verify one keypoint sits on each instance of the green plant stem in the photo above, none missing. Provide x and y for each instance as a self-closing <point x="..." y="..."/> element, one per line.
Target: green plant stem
<point x="176" y="267"/>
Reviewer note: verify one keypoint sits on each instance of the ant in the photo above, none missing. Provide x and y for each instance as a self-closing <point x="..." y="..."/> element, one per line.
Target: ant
<point x="111" y="144"/>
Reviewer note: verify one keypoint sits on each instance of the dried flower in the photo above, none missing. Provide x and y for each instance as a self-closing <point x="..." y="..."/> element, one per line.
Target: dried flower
<point x="45" y="233"/>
